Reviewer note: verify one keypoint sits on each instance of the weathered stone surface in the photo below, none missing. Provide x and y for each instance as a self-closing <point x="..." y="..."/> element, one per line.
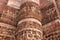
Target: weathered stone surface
<point x="49" y="14"/>
<point x="3" y="4"/>
<point x="14" y="3"/>
<point x="34" y="1"/>
<point x="9" y="15"/>
<point x="30" y="15"/>
<point x="7" y="32"/>
<point x="29" y="31"/>
<point x="44" y="3"/>
<point x="29" y="26"/>
<point x="52" y="30"/>
<point x="58" y="4"/>
<point x="29" y="10"/>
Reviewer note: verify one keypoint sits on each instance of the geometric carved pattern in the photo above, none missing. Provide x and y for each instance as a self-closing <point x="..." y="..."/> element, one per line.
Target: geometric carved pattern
<point x="29" y="35"/>
<point x="7" y="32"/>
<point x="28" y="31"/>
<point x="29" y="26"/>
<point x="49" y="14"/>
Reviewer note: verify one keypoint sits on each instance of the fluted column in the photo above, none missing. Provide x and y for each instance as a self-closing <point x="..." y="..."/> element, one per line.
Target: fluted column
<point x="29" y="26"/>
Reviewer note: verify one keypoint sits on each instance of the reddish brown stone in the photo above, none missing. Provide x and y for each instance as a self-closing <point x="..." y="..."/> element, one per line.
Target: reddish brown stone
<point x="14" y="3"/>
<point x="7" y="32"/>
<point x="29" y="31"/>
<point x="29" y="10"/>
<point x="30" y="15"/>
<point x="29" y="26"/>
<point x="52" y="30"/>
<point x="58" y="4"/>
<point x="9" y="15"/>
<point x="49" y="14"/>
<point x="3" y="4"/>
<point x="44" y="3"/>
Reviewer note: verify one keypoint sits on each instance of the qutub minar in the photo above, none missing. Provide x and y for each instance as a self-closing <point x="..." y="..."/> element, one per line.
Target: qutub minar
<point x="29" y="19"/>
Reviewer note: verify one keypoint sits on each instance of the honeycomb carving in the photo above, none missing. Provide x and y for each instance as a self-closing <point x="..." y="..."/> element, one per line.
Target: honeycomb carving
<point x="29" y="35"/>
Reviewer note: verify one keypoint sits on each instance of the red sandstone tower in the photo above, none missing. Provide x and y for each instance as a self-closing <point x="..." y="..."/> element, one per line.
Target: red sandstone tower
<point x="29" y="19"/>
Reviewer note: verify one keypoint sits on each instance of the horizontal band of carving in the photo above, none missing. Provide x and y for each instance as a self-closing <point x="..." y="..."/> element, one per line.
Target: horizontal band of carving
<point x="53" y="37"/>
<point x="8" y="21"/>
<point x="56" y="32"/>
<point x="35" y="1"/>
<point x="7" y="35"/>
<point x="53" y="22"/>
<point x="7" y="25"/>
<point x="32" y="29"/>
<point x="30" y="19"/>
<point x="7" y="31"/>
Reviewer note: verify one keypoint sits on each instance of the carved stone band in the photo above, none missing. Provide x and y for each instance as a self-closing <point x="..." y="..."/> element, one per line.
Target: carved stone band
<point x="32" y="29"/>
<point x="7" y="30"/>
<point x="55" y="32"/>
<point x="53" y="22"/>
<point x="30" y="19"/>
